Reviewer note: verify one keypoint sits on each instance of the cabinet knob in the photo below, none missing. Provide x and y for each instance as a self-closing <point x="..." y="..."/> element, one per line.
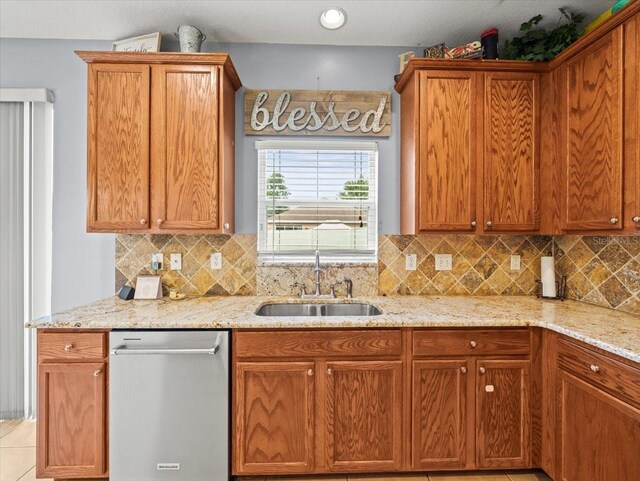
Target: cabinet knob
<point x="594" y="368"/>
<point x="489" y="223"/>
<point x="636" y="219"/>
<point x="310" y="372"/>
<point x="330" y="372"/>
<point x="473" y="343"/>
<point x="97" y="372"/>
<point x="613" y="220"/>
<point x="226" y="225"/>
<point x="473" y="223"/>
<point x="160" y="221"/>
<point x="463" y="370"/>
<point x="482" y="370"/>
<point x="68" y="347"/>
<point x="143" y="221"/>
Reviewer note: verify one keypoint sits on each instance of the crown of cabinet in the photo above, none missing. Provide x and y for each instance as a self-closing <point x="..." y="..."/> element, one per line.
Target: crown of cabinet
<point x="160" y="153"/>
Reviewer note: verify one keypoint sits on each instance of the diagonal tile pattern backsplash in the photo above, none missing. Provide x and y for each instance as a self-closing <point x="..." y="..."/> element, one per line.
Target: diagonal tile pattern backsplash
<point x="600" y="270"/>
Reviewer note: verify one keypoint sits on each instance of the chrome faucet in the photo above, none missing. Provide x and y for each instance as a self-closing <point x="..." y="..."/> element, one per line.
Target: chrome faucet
<point x="317" y="270"/>
<point x="318" y="294"/>
<point x="349" y="284"/>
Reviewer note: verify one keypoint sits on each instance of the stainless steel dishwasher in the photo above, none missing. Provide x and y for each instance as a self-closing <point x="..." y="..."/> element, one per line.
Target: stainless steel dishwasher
<point x="169" y="405"/>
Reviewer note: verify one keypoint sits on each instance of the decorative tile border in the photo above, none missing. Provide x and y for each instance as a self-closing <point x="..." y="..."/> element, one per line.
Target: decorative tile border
<point x="600" y="270"/>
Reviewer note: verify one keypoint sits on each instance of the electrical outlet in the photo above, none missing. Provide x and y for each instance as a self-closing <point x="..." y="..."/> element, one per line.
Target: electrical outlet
<point x="444" y="262"/>
<point x="176" y="262"/>
<point x="156" y="261"/>
<point x="515" y="262"/>
<point x="411" y="262"/>
<point x="216" y="260"/>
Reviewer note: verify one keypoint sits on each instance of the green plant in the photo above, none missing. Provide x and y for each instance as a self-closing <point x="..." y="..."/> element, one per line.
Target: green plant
<point x="539" y="44"/>
<point x="355" y="189"/>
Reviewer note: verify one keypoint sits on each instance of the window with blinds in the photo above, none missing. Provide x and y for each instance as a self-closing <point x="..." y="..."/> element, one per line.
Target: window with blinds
<point x="317" y="196"/>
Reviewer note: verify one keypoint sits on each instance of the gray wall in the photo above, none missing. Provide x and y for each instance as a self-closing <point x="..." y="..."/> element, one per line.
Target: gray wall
<point x="83" y="264"/>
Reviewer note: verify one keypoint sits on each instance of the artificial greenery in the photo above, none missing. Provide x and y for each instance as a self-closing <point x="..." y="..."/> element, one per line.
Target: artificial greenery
<point x="539" y="44"/>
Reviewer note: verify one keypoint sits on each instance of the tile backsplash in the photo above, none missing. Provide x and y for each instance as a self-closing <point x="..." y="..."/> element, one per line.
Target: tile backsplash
<point x="600" y="270"/>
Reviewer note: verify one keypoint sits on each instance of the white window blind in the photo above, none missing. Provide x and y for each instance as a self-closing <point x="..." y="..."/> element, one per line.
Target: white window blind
<point x="317" y="196"/>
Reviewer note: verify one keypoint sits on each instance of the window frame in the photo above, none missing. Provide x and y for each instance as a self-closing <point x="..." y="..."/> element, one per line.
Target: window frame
<point x="348" y="257"/>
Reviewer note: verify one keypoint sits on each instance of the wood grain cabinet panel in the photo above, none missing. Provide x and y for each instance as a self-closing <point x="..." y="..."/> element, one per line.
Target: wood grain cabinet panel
<point x="448" y="153"/>
<point x="363" y="416"/>
<point x="593" y="196"/>
<point x="118" y="148"/>
<point x="511" y="157"/>
<point x="275" y="416"/>
<point x="185" y="155"/>
<point x="72" y="414"/>
<point x="439" y="418"/>
<point x="503" y="414"/>
<point x="600" y="435"/>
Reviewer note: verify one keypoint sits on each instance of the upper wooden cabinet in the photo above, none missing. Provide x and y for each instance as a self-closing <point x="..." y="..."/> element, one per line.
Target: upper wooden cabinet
<point x="160" y="142"/>
<point x="592" y="172"/>
<point x="511" y="154"/>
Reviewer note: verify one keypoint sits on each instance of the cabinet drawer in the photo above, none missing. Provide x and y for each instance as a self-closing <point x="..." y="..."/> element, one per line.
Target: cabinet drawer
<point x="610" y="375"/>
<point x="329" y="344"/>
<point x="470" y="342"/>
<point x="71" y="345"/>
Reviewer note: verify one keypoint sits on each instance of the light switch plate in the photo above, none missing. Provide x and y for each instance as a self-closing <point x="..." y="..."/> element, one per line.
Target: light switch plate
<point x="176" y="262"/>
<point x="515" y="262"/>
<point x="444" y="262"/>
<point x="411" y="262"/>
<point x="216" y="260"/>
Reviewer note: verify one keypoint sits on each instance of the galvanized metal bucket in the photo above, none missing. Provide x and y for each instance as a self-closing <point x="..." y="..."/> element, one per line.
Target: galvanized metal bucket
<point x="190" y="38"/>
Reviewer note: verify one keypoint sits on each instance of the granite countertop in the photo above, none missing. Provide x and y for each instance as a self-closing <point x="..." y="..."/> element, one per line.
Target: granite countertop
<point x="613" y="331"/>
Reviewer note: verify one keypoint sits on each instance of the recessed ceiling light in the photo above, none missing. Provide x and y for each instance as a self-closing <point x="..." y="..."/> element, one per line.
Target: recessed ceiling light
<point x="333" y="18"/>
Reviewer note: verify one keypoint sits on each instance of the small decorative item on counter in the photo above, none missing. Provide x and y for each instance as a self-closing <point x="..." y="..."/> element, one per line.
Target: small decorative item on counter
<point x="148" y="287"/>
<point x="466" y="51"/>
<point x="126" y="293"/>
<point x="489" y="41"/>
<point x="174" y="295"/>
<point x="437" y="51"/>
<point x="190" y="38"/>
<point x="143" y="43"/>
<point x="404" y="59"/>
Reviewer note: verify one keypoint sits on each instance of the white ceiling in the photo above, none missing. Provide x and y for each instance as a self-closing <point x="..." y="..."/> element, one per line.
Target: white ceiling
<point x="372" y="22"/>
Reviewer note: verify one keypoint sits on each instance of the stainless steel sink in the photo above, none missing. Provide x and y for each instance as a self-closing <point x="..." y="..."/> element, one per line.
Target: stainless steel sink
<point x="314" y="310"/>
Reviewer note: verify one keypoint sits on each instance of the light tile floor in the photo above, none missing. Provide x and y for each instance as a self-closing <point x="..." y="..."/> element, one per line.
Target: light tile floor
<point x="18" y="460"/>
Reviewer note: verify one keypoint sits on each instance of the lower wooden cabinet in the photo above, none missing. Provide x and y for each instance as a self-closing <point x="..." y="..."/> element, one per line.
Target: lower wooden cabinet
<point x="600" y="435"/>
<point x="275" y="417"/>
<point x="72" y="409"/>
<point x="503" y="414"/>
<point x="363" y="418"/>
<point x="440" y="397"/>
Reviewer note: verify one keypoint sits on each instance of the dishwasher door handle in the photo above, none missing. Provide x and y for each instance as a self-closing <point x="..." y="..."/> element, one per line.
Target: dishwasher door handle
<point x="124" y="350"/>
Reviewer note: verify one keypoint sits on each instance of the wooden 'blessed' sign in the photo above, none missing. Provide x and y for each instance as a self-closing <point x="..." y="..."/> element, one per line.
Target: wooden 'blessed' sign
<point x="317" y="112"/>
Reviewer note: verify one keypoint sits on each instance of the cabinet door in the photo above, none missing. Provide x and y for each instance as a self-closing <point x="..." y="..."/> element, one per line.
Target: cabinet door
<point x="593" y="170"/>
<point x="503" y="414"/>
<point x="185" y="156"/>
<point x="71" y="428"/>
<point x="363" y="417"/>
<point x="118" y="148"/>
<point x="274" y="413"/>
<point x="511" y="158"/>
<point x="449" y="142"/>
<point x="600" y="435"/>
<point x="440" y="402"/>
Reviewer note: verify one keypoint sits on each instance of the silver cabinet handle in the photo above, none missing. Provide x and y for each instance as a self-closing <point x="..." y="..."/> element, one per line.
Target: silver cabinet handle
<point x="473" y="343"/>
<point x="489" y="223"/>
<point x="143" y="221"/>
<point x="636" y="219"/>
<point x="482" y="370"/>
<point x="595" y="368"/>
<point x="97" y="372"/>
<point x="68" y="347"/>
<point x="463" y="370"/>
<point x="124" y="350"/>
<point x="160" y="221"/>
<point x="473" y="223"/>
<point x="330" y="372"/>
<point x="310" y="372"/>
<point x="613" y="220"/>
